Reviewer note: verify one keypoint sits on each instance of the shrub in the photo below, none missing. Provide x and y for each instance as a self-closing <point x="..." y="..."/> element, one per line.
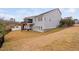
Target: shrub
<point x="66" y="22"/>
<point x="3" y="29"/>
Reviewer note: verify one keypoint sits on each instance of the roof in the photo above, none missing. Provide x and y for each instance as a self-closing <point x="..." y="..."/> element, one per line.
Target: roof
<point x="50" y="11"/>
<point x="45" y="13"/>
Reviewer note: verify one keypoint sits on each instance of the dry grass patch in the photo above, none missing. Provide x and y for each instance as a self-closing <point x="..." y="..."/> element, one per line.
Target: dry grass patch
<point x="56" y="39"/>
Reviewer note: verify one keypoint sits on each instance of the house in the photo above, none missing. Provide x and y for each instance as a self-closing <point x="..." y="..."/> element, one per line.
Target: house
<point x="16" y="27"/>
<point x="43" y="22"/>
<point x="76" y="21"/>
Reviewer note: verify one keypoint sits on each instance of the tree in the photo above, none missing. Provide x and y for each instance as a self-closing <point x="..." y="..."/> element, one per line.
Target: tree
<point x="2" y="30"/>
<point x="66" y="22"/>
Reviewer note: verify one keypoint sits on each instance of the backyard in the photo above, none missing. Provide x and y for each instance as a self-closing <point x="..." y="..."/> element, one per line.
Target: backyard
<point x="55" y="39"/>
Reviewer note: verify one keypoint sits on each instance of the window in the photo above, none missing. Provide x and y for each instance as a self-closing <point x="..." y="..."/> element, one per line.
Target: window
<point x="45" y="18"/>
<point x="39" y="18"/>
<point x="38" y="27"/>
<point x="41" y="27"/>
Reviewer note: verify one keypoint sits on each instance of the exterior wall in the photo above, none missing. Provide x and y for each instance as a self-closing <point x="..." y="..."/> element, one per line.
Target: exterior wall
<point x="38" y="24"/>
<point x="51" y="19"/>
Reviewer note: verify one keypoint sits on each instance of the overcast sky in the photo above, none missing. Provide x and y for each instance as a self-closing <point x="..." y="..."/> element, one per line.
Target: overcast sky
<point x="20" y="13"/>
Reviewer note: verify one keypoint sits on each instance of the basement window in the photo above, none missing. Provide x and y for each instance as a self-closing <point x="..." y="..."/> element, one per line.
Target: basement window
<point x="41" y="27"/>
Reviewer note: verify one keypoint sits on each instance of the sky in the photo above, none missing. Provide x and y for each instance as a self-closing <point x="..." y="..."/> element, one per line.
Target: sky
<point x="20" y="13"/>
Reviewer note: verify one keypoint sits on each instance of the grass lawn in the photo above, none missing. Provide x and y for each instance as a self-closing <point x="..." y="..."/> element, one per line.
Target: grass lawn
<point x="55" y="39"/>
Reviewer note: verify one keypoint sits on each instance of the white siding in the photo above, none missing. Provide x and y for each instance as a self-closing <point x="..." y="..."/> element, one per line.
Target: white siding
<point x="51" y="19"/>
<point x="37" y="24"/>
